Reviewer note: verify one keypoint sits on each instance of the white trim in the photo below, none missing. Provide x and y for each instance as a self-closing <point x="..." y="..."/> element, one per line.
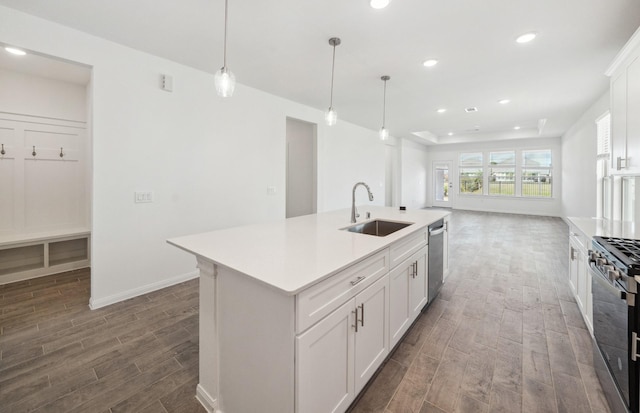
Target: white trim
<point x="112" y="299"/>
<point x="624" y="53"/>
<point x="209" y="403"/>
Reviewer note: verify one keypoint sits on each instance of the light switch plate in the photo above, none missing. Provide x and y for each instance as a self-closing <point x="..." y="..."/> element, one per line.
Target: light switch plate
<point x="271" y="190"/>
<point x="143" y="196"/>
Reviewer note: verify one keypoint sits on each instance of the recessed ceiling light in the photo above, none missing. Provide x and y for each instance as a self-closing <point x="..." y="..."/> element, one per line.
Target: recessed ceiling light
<point x="516" y="127"/>
<point x="450" y="133"/>
<point x="504" y="101"/>
<point x="472" y="109"/>
<point x="441" y="110"/>
<point x="379" y="4"/>
<point x="430" y="62"/>
<point x="15" y="51"/>
<point x="527" y="37"/>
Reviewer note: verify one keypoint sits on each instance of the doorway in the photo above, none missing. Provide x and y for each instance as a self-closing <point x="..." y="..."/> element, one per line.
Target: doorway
<point x="301" y="185"/>
<point x="442" y="186"/>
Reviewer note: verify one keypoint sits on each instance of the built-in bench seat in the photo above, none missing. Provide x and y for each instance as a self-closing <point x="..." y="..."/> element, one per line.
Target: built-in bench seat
<point x="34" y="255"/>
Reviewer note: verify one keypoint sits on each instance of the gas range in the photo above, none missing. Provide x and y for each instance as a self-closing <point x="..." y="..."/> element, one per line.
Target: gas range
<point x="619" y="259"/>
<point x="615" y="273"/>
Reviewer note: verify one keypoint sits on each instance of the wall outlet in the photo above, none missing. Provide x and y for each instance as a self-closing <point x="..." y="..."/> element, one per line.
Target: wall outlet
<point x="271" y="190"/>
<point x="143" y="196"/>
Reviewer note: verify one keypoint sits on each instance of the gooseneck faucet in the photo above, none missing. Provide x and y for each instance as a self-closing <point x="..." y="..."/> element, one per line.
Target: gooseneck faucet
<point x="354" y="215"/>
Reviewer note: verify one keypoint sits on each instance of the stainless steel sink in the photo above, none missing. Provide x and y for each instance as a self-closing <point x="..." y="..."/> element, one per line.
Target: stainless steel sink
<point x="378" y="227"/>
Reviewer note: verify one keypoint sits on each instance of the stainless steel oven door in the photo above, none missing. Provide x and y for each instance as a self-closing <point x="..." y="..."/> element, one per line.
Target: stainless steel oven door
<point x="611" y="315"/>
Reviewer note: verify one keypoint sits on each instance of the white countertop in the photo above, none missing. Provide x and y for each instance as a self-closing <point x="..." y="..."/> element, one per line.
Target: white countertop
<point x="293" y="254"/>
<point x="606" y="228"/>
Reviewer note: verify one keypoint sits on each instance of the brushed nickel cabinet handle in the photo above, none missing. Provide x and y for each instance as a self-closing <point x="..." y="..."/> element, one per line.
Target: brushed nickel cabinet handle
<point x="357" y="280"/>
<point x="356" y="323"/>
<point x="361" y="315"/>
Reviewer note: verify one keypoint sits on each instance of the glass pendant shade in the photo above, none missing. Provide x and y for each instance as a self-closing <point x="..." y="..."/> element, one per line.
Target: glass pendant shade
<point x="225" y="82"/>
<point x="331" y="116"/>
<point x="384" y="134"/>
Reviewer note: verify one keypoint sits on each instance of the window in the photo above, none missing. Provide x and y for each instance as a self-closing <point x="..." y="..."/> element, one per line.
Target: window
<point x="502" y="173"/>
<point x="471" y="173"/>
<point x="536" y="173"/>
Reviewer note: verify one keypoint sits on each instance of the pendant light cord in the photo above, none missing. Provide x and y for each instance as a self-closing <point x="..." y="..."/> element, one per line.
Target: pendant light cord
<point x="333" y="67"/>
<point x="384" y="104"/>
<point x="226" y="7"/>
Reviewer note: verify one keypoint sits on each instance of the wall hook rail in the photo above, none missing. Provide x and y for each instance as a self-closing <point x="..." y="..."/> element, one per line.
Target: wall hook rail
<point x="2" y="151"/>
<point x="61" y="153"/>
<point x="34" y="152"/>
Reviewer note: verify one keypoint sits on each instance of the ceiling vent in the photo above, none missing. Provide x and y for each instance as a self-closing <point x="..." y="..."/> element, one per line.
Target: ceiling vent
<point x="469" y="110"/>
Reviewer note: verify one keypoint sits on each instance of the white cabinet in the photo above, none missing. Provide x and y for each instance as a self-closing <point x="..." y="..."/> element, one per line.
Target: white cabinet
<point x="338" y="355"/>
<point x="318" y="347"/>
<point x="372" y="334"/>
<point x="408" y="293"/>
<point x="325" y="352"/>
<point x="625" y="104"/>
<point x="579" y="275"/>
<point x="445" y="249"/>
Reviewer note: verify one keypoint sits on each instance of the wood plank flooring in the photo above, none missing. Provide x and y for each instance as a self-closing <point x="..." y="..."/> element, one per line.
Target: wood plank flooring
<point x="56" y="355"/>
<point x="503" y="336"/>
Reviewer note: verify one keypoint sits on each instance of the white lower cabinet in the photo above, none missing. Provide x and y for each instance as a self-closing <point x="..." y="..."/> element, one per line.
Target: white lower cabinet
<point x="372" y="336"/>
<point x="324" y="354"/>
<point x="579" y="275"/>
<point x="408" y="294"/>
<point x="337" y="356"/>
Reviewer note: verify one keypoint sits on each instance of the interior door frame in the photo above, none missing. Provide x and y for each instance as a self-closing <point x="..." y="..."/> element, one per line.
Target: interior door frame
<point x="451" y="194"/>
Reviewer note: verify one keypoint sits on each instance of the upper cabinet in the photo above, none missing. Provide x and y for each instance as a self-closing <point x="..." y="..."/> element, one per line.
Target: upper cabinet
<point x="625" y="105"/>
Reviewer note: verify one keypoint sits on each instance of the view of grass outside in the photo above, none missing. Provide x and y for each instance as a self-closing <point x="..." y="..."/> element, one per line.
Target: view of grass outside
<point x="534" y="174"/>
<point x="471" y="181"/>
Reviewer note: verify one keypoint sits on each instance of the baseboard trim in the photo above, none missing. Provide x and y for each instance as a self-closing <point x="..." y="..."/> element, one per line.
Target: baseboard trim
<point x="116" y="298"/>
<point x="209" y="403"/>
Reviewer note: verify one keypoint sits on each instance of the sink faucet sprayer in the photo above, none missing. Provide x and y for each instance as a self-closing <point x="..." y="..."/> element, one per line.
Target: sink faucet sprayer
<point x="354" y="214"/>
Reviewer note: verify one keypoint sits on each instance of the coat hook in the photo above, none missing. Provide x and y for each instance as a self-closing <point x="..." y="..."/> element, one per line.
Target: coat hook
<point x="61" y="153"/>
<point x="2" y="151"/>
<point x="34" y="151"/>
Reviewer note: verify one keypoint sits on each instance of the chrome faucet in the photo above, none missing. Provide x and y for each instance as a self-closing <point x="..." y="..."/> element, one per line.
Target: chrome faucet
<point x="354" y="213"/>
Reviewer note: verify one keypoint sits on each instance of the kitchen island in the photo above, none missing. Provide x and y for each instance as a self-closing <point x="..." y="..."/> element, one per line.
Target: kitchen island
<point x="283" y="305"/>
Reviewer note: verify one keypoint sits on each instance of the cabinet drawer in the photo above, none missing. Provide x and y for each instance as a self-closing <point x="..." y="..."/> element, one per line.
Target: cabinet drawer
<point x="581" y="241"/>
<point x="404" y="248"/>
<point x="321" y="299"/>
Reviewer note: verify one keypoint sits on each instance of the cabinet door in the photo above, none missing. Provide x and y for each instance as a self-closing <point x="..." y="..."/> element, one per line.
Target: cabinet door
<point x="372" y="336"/>
<point x="633" y="120"/>
<point x="419" y="286"/>
<point x="573" y="267"/>
<point x="399" y="312"/>
<point x="445" y="249"/>
<point x="618" y="119"/>
<point x="582" y="276"/>
<point x="324" y="364"/>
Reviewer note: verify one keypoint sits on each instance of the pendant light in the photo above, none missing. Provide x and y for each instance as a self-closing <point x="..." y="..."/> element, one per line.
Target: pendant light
<point x="384" y="133"/>
<point x="331" y="116"/>
<point x="225" y="80"/>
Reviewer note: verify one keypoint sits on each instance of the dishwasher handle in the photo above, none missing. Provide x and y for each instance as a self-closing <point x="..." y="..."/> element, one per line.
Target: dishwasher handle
<point x="437" y="231"/>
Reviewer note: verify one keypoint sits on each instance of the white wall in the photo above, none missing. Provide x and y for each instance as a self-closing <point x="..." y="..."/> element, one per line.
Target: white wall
<point x="414" y="165"/>
<point x="579" y="163"/>
<point x="207" y="160"/>
<point x="42" y="193"/>
<point x="516" y="205"/>
<point x="34" y="95"/>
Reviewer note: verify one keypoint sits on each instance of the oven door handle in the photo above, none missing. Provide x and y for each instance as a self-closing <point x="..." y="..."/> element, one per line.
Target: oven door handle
<point x="595" y="274"/>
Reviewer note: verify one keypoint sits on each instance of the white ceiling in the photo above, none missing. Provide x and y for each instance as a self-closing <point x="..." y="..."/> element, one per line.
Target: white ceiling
<point x="282" y="47"/>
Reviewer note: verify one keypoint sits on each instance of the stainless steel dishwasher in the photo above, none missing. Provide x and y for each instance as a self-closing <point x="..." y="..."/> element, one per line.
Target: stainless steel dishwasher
<point x="436" y="264"/>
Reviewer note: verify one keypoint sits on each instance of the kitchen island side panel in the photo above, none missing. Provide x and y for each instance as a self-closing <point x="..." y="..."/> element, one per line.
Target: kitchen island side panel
<point x="256" y="345"/>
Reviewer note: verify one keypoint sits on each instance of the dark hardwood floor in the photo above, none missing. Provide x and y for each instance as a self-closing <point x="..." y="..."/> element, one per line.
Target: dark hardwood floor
<point x="505" y="335"/>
